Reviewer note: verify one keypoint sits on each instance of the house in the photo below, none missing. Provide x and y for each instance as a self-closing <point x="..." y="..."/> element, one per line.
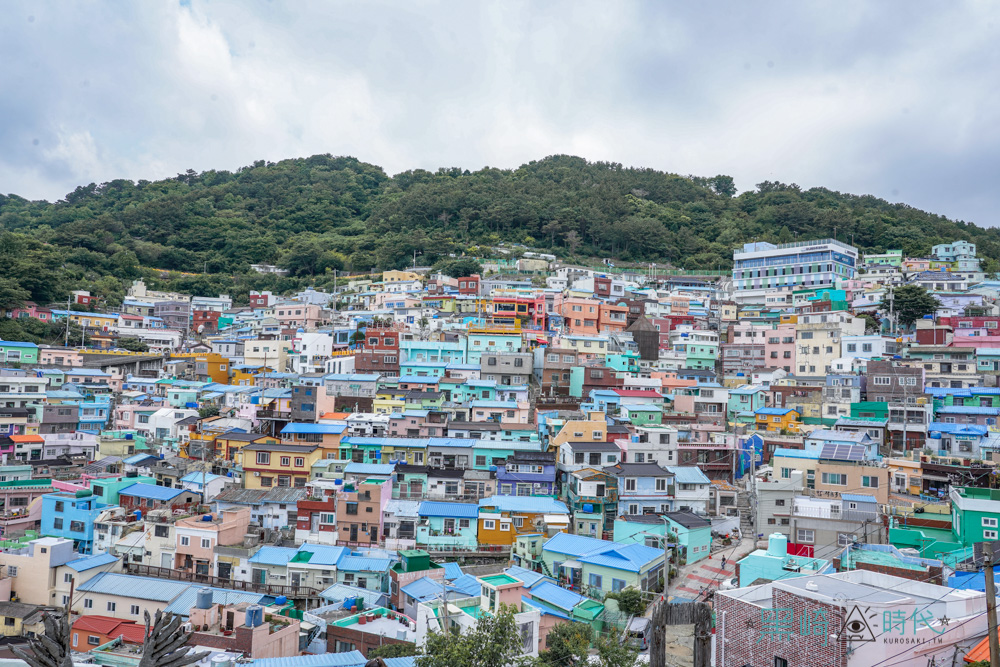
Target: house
<point x="283" y="465"/>
<point x="90" y="631"/>
<point x="644" y="488"/>
<point x="597" y="567"/>
<point x="777" y="419"/>
<point x="502" y="518"/>
<point x="71" y="516"/>
<point x="592" y="496"/>
<point x="775" y="563"/>
<point x="146" y="497"/>
<point x="692" y="533"/>
<point x="526" y="473"/>
<point x="445" y="525"/>
<point x="691" y="488"/>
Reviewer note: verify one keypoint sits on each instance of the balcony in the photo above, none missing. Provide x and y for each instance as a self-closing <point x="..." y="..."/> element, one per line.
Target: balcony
<point x="285" y="415"/>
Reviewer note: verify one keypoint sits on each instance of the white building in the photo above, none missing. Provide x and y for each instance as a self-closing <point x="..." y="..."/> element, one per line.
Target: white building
<point x="763" y="269"/>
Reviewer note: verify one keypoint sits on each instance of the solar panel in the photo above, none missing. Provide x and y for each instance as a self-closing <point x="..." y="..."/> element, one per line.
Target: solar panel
<point x="840" y="452"/>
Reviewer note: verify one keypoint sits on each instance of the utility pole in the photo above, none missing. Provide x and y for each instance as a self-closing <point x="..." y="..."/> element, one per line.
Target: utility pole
<point x="666" y="557"/>
<point x="67" y="322"/>
<point x="991" y="605"/>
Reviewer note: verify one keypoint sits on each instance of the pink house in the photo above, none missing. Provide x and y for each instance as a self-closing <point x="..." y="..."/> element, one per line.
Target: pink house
<point x="198" y="536"/>
<point x="60" y="356"/>
<point x="31" y="309"/>
<point x="295" y="315"/>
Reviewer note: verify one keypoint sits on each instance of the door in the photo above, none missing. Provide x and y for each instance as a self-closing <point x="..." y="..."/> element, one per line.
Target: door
<point x="314" y="523"/>
<point x="296" y="578"/>
<point x="225" y="570"/>
<point x="259" y="576"/>
<point x="354" y="532"/>
<point x="166" y="560"/>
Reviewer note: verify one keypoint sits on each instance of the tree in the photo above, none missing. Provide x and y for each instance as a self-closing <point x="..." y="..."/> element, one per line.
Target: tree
<point x="208" y="411"/>
<point x="629" y="601"/>
<point x="568" y="644"/>
<point x="911" y="303"/>
<point x="12" y="295"/>
<point x="133" y="344"/>
<point x="393" y="651"/>
<point x="873" y="325"/>
<point x="459" y="268"/>
<point x="613" y="653"/>
<point x="495" y="641"/>
<point x="723" y="185"/>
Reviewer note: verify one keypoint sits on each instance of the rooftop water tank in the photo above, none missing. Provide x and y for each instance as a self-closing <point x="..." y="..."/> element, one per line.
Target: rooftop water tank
<point x="281" y="600"/>
<point x="204" y="598"/>
<point x="221" y="660"/>
<point x="138" y="515"/>
<point x="206" y="517"/>
<point x="255" y="616"/>
<point x="777" y="545"/>
<point x="128" y="436"/>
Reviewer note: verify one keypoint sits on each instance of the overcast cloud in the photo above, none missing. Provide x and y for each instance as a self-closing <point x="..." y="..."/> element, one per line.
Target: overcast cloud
<point x="896" y="99"/>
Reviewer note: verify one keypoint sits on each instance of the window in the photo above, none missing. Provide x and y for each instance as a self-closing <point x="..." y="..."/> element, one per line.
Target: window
<point x="989" y="534"/>
<point x="77" y="526"/>
<point x="630" y="484"/>
<point x="882" y="380"/>
<point x="11" y="570"/>
<point x="57" y="523"/>
<point x="805" y="536"/>
<point x="185" y="541"/>
<point x="661" y="484"/>
<point x="94" y="640"/>
<point x="595" y="580"/>
<point x="869" y="482"/>
<point x="284" y="480"/>
<point x="263" y="458"/>
<point x="299" y="461"/>
<point x="206" y="543"/>
<point x="266" y="481"/>
<point x="161" y="531"/>
<point x="489" y="524"/>
<point x="780" y="502"/>
<point x="69" y="577"/>
<point x="989" y="523"/>
<point x="60" y="505"/>
<point x="844" y="539"/>
<point x="112" y="606"/>
<point x="780" y="662"/>
<point x="286" y="461"/>
<point x="617" y="584"/>
<point x="134" y="610"/>
<point x="835" y="478"/>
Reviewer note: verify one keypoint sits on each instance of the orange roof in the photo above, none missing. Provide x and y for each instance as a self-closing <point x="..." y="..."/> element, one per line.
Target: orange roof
<point x="335" y="415"/>
<point x="28" y="438"/>
<point x="129" y="631"/>
<point x="980" y="651"/>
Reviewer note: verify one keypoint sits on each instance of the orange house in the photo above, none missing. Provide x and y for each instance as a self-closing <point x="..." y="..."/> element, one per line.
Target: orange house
<point x="612" y="318"/>
<point x="580" y="315"/>
<point x="502" y="518"/>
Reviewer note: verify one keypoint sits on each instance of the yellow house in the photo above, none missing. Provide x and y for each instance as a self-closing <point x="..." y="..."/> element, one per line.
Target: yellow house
<point x="228" y="445"/>
<point x="905" y="476"/>
<point x="246" y="375"/>
<point x="508" y="517"/>
<point x="728" y="311"/>
<point x="592" y="429"/>
<point x="399" y="276"/>
<point x="266" y="465"/>
<point x="415" y="454"/>
<point x="271" y="353"/>
<point x="389" y="400"/>
<point x="93" y="321"/>
<point x="212" y="364"/>
<point x="325" y="436"/>
<point x="777" y="419"/>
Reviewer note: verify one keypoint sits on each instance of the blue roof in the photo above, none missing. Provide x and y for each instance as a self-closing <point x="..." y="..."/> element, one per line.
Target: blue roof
<point x="774" y="411"/>
<point x="630" y="557"/>
<point x="450" y="510"/>
<point x="467" y="584"/>
<point x="341" y="592"/>
<point x="967" y="410"/>
<point x="795" y="453"/>
<point x="90" y="562"/>
<point x="196" y="477"/>
<point x="324" y="553"/>
<point x="369" y="468"/>
<point x="423" y="589"/>
<point x="556" y="595"/>
<point x="346" y="659"/>
<point x="182" y="604"/>
<point x="273" y="555"/>
<point x="363" y="564"/>
<point x="856" y="498"/>
<point x="14" y="343"/>
<point x="688" y="475"/>
<point x="127" y="585"/>
<point x="303" y="428"/>
<point x="452" y="570"/>
<point x="151" y="492"/>
<point x="532" y="504"/>
<point x="957" y="429"/>
<point x="527" y="576"/>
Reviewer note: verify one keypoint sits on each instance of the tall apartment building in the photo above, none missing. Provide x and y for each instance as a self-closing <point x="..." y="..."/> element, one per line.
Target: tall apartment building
<point x="764" y="268"/>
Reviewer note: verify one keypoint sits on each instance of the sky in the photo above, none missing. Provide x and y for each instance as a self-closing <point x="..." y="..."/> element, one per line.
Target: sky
<point x="900" y="99"/>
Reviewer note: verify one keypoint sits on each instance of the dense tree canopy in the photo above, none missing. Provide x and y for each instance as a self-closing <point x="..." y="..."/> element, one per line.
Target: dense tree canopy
<point x="314" y="215"/>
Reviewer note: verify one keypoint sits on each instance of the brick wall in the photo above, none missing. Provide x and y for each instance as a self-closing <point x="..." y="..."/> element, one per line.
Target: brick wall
<point x="933" y="575"/>
<point x="363" y="641"/>
<point x="742" y="636"/>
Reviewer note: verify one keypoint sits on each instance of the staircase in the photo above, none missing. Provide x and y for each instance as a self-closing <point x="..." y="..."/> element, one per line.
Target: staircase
<point x="546" y="570"/>
<point x="744" y="503"/>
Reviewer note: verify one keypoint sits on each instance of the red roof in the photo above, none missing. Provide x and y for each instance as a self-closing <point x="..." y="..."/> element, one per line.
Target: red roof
<point x="129" y="631"/>
<point x="638" y="393"/>
<point x="28" y="438"/>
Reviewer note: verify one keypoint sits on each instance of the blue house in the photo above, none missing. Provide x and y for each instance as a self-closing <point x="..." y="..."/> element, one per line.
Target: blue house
<point x="643" y="488"/>
<point x="774" y="563"/>
<point x="820" y="438"/>
<point x="447" y="525"/>
<point x="527" y="474"/>
<point x="72" y="517"/>
<point x="598" y="567"/>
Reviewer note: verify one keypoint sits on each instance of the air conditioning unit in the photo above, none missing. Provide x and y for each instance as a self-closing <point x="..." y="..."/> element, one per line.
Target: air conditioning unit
<point x="256" y="474"/>
<point x="187" y="627"/>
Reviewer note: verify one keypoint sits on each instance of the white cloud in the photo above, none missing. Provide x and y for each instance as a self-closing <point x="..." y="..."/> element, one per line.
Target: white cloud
<point x="894" y="99"/>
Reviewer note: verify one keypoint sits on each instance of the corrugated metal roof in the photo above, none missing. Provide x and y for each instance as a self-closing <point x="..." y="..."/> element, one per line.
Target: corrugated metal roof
<point x="273" y="555"/>
<point x="151" y="491"/>
<point x="533" y="504"/>
<point x="340" y="592"/>
<point x="369" y="468"/>
<point x="90" y="562"/>
<point x="363" y="564"/>
<point x="182" y="604"/>
<point x="629" y="557"/>
<point x="322" y="554"/>
<point x="452" y="570"/>
<point x="301" y="427"/>
<point x="573" y="545"/>
<point x="468" y="584"/>
<point x="556" y="596"/>
<point x="688" y="475"/>
<point x="795" y="453"/>
<point x="423" y="589"/>
<point x="403" y="508"/>
<point x="527" y="576"/>
<point x="451" y="510"/>
<point x="127" y="585"/>
<point x="856" y="498"/>
<point x="347" y="659"/>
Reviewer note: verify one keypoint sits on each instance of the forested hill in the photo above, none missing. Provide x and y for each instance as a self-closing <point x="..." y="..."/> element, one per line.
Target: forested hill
<point x="318" y="213"/>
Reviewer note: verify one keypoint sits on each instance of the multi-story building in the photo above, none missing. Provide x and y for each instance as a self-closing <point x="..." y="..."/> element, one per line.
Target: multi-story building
<point x="762" y="270"/>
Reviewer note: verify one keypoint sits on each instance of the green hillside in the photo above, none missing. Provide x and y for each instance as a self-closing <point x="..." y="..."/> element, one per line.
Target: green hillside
<point x="315" y="214"/>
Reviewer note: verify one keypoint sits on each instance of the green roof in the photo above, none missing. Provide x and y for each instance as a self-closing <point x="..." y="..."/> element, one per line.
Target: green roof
<point x="500" y="580"/>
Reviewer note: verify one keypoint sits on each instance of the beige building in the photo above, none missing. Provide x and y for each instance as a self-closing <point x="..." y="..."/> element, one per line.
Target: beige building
<point x="42" y="572"/>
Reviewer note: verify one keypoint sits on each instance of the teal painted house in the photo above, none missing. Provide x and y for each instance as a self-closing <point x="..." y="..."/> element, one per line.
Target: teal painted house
<point x="597" y="567"/>
<point x="648" y="529"/>
<point x="975" y="514"/>
<point x="643" y="415"/>
<point x="749" y="398"/>
<point x="693" y="535"/>
<point x="774" y="563"/>
<point x="447" y="525"/>
<point x="17" y="352"/>
<point x="106" y="490"/>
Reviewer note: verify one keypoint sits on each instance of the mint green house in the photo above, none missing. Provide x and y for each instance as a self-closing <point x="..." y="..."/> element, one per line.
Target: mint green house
<point x="774" y="563"/>
<point x="748" y="398"/>
<point x="643" y="415"/>
<point x="106" y="490"/>
<point x="596" y="567"/>
<point x="17" y="352"/>
<point x="692" y="533"/>
<point x="975" y="514"/>
<point x="624" y="362"/>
